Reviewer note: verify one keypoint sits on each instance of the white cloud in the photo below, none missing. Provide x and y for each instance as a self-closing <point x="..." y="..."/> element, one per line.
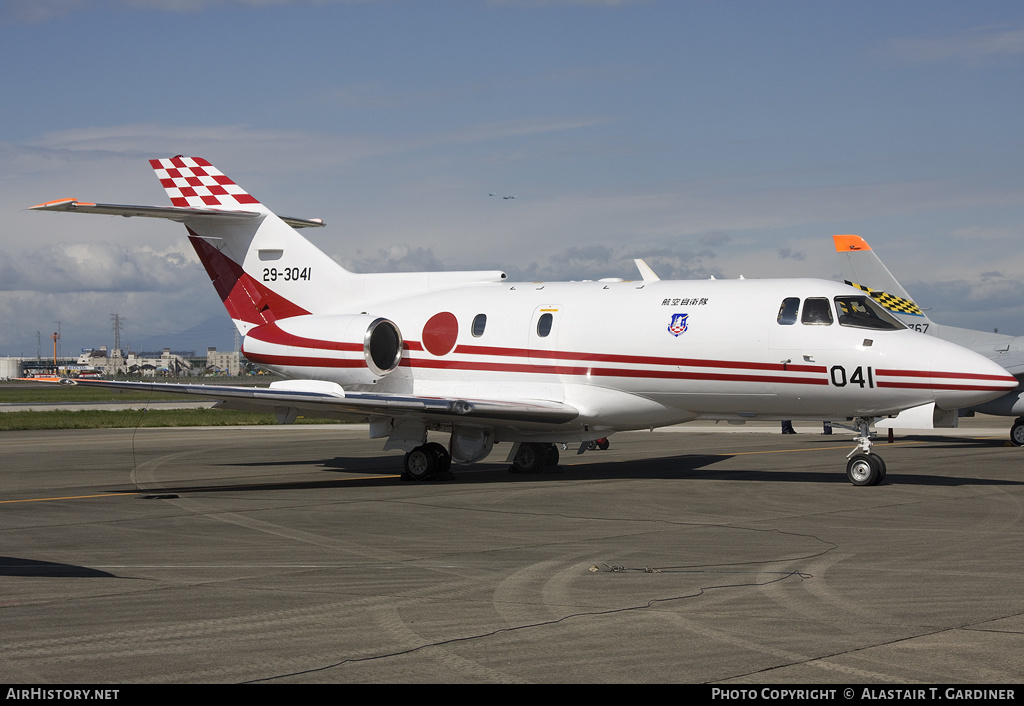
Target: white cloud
<point x="585" y="3"/>
<point x="98" y="267"/>
<point x="978" y="45"/>
<point x="397" y="257"/>
<point x="36" y="11"/>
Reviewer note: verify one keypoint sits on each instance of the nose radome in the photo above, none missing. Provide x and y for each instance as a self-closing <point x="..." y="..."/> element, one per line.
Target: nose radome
<point x="962" y="378"/>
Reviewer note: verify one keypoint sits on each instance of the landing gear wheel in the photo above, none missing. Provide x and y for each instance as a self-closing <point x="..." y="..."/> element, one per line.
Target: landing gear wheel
<point x="603" y="444"/>
<point x="444" y="460"/>
<point x="420" y="464"/>
<point x="1017" y="433"/>
<point x="550" y="456"/>
<point x="529" y="458"/>
<point x="532" y="457"/>
<point x="865" y="469"/>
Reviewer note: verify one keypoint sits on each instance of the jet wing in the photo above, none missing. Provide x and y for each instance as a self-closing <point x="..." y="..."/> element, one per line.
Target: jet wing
<point x="1013" y="361"/>
<point x="173" y="213"/>
<point x="328" y="399"/>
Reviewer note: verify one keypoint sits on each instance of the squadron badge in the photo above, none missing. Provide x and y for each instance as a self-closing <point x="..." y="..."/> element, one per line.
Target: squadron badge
<point x="678" y="324"/>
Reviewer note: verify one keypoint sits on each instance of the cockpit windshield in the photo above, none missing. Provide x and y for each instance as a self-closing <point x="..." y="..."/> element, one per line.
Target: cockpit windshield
<point x="863" y="312"/>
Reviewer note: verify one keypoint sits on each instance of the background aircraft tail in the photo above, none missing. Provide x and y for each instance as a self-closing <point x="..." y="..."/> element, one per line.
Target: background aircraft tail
<point x="864" y="270"/>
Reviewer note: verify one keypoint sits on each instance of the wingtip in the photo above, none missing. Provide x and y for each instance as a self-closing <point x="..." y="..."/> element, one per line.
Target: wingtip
<point x="848" y="243"/>
<point x="57" y="205"/>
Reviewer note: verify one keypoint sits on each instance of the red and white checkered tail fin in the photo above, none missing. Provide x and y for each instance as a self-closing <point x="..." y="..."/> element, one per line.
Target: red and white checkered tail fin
<point x="261" y="267"/>
<point x="192" y="182"/>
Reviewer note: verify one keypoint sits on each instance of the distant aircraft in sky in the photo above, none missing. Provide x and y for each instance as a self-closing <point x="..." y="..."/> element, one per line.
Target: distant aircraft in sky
<point x="483" y="360"/>
<point x="863" y="269"/>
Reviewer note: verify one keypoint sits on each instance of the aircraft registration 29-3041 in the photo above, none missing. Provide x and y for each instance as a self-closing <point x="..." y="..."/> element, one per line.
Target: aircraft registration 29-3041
<point x="541" y="364"/>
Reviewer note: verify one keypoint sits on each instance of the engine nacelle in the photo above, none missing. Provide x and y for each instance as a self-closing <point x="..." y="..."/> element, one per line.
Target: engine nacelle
<point x="355" y="348"/>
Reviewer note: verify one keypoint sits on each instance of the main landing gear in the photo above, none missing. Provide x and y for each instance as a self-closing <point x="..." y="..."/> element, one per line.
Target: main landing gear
<point x="532" y="457"/>
<point x="864" y="467"/>
<point x="428" y="462"/>
<point x="1017" y="432"/>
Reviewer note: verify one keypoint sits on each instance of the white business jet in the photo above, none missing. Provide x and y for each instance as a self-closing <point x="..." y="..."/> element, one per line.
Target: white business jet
<point x="537" y="364"/>
<point x="863" y="269"/>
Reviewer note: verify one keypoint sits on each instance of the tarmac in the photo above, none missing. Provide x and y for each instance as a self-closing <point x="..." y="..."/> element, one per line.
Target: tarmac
<point x="297" y="555"/>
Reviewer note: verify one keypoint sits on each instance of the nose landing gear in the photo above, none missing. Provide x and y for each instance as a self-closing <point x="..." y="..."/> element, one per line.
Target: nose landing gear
<point x="864" y="467"/>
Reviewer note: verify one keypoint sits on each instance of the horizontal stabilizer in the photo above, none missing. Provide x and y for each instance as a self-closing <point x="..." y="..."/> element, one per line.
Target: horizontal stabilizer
<point x="181" y="214"/>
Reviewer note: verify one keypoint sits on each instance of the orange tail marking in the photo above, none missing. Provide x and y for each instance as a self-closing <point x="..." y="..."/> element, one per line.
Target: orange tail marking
<point x="846" y="243"/>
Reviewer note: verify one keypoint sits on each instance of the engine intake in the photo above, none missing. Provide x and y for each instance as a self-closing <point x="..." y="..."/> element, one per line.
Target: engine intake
<point x="355" y="348"/>
<point x="382" y="346"/>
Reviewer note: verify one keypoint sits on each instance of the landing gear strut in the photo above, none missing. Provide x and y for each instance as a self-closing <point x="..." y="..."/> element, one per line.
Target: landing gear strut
<point x="864" y="467"/>
<point x="427" y="462"/>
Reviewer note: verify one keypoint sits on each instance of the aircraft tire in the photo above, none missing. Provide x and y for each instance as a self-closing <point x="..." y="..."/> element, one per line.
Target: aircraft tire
<point x="444" y="459"/>
<point x="530" y="458"/>
<point x="1017" y="433"/>
<point x="420" y="464"/>
<point x="550" y="456"/>
<point x="865" y="469"/>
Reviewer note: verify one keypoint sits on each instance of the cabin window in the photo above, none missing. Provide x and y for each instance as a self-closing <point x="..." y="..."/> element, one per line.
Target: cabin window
<point x="544" y="325"/>
<point x="864" y="312"/>
<point x="817" y="312"/>
<point x="787" y="312"/>
<point x="479" y="324"/>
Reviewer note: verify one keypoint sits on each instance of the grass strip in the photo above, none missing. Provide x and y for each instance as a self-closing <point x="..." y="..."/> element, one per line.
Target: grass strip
<point x="51" y="393"/>
<point x="131" y="418"/>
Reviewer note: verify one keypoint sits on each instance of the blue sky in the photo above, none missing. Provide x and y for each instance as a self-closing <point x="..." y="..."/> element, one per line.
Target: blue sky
<point x="711" y="138"/>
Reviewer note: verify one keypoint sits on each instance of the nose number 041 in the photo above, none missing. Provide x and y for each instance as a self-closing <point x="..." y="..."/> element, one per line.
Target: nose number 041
<point x="862" y="376"/>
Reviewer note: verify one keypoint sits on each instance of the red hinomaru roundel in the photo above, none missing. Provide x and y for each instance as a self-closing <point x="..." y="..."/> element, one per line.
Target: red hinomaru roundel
<point x="440" y="333"/>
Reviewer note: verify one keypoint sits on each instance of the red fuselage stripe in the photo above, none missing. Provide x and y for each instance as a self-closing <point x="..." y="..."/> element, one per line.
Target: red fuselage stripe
<point x="634" y="359"/>
<point x="937" y="386"/>
<point x="313" y="362"/>
<point x="295" y="361"/>
<point x="928" y="374"/>
<point x="275" y="335"/>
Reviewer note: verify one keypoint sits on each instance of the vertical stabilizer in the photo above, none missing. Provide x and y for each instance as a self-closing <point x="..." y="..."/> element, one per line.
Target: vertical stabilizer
<point x="261" y="267"/>
<point x="192" y="182"/>
<point x="864" y="270"/>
